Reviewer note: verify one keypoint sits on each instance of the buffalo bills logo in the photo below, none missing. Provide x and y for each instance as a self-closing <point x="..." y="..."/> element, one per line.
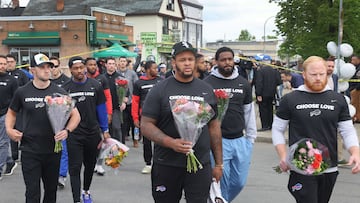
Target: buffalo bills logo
<point x="297" y="186"/>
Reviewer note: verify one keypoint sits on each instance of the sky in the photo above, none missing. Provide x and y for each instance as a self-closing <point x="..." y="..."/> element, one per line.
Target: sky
<point x="223" y="20"/>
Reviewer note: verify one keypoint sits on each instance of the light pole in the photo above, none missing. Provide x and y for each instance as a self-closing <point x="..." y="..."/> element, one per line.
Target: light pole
<point x="265" y="31"/>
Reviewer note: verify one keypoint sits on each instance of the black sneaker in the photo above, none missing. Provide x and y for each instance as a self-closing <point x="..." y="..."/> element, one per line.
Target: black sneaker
<point x="10" y="167"/>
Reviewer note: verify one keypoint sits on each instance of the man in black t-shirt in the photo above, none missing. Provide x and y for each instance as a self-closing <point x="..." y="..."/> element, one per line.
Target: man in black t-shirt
<point x="141" y="88"/>
<point x="169" y="175"/>
<point x="8" y="86"/>
<point x="38" y="159"/>
<point x="57" y="76"/>
<point x="239" y="118"/>
<point x="315" y="111"/>
<point x="22" y="79"/>
<point x="83" y="141"/>
<point x="93" y="72"/>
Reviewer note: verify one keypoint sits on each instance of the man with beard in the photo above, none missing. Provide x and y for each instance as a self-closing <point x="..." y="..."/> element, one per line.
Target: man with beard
<point x="93" y="72"/>
<point x="169" y="176"/>
<point x="83" y="141"/>
<point x="315" y="111"/>
<point x="141" y="88"/>
<point x="57" y="76"/>
<point x="240" y="116"/>
<point x="201" y="71"/>
<point x="39" y="162"/>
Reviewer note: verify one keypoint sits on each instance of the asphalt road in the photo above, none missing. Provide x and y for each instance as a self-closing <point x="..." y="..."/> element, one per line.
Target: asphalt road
<point x="129" y="185"/>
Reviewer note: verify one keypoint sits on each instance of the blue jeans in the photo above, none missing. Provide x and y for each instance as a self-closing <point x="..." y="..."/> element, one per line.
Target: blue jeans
<point x="4" y="145"/>
<point x="236" y="159"/>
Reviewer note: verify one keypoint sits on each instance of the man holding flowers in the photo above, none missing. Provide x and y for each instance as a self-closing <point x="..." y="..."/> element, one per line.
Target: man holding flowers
<point x="314" y="111"/>
<point x="239" y="125"/>
<point x="39" y="161"/>
<point x="169" y="174"/>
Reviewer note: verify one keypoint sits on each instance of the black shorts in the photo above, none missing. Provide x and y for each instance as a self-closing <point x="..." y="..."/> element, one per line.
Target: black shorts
<point x="169" y="182"/>
<point x="312" y="189"/>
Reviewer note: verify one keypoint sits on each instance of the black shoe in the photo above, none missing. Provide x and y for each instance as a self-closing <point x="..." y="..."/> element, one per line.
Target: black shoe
<point x="10" y="167"/>
<point x="264" y="129"/>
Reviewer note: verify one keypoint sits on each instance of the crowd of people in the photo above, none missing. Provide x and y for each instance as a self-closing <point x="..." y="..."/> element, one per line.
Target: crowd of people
<point x="223" y="148"/>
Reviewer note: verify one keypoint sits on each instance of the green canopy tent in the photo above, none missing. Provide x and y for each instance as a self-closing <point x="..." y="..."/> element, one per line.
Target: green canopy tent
<point x="116" y="50"/>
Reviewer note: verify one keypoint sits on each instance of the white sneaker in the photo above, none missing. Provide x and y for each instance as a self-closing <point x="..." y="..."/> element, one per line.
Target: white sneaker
<point x="61" y="182"/>
<point x="146" y="170"/>
<point x="99" y="170"/>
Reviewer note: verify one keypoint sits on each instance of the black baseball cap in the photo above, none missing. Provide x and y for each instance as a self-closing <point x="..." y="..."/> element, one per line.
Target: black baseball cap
<point x="39" y="60"/>
<point x="181" y="47"/>
<point x="75" y="59"/>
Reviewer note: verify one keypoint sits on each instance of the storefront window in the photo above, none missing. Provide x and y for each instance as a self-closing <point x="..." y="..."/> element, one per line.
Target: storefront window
<point x="22" y="54"/>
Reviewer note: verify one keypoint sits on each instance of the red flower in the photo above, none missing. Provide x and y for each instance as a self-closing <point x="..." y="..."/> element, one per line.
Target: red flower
<point x="316" y="164"/>
<point x="221" y="94"/>
<point x="121" y="82"/>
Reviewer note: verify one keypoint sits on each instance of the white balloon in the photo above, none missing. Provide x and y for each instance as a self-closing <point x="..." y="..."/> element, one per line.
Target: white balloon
<point x="343" y="86"/>
<point x="331" y="48"/>
<point x="352" y="110"/>
<point x="346" y="50"/>
<point x="342" y="62"/>
<point x="347" y="70"/>
<point x="347" y="99"/>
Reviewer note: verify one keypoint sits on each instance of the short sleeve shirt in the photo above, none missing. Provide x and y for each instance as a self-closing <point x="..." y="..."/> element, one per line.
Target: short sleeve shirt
<point x="314" y="115"/>
<point x="38" y="135"/>
<point x="157" y="106"/>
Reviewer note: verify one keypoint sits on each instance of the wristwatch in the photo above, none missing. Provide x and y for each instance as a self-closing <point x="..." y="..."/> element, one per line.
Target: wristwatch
<point x="68" y="130"/>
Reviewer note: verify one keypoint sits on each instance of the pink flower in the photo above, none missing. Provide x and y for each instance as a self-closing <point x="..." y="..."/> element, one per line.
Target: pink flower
<point x="302" y="151"/>
<point x="309" y="144"/>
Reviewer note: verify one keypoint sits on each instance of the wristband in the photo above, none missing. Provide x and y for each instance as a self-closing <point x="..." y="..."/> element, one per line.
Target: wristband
<point x="68" y="130"/>
<point x="106" y="131"/>
<point x="219" y="166"/>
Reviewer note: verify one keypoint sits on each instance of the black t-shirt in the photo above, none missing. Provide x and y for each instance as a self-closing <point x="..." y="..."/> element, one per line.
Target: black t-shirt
<point x="38" y="135"/>
<point x="234" y="123"/>
<point x="157" y="106"/>
<point x="103" y="81"/>
<point x="143" y="86"/>
<point x="314" y="115"/>
<point x="8" y="86"/>
<point x="20" y="76"/>
<point x="60" y="81"/>
<point x="88" y="96"/>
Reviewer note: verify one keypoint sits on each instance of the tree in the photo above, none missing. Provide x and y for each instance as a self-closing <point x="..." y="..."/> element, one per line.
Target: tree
<point x="307" y="25"/>
<point x="245" y="36"/>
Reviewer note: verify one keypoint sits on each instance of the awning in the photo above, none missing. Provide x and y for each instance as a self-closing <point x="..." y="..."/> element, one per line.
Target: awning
<point x="32" y="38"/>
<point x="32" y="41"/>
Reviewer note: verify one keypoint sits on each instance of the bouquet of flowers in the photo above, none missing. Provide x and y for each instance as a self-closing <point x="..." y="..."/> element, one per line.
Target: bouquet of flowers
<point x="113" y="152"/>
<point x="308" y="157"/>
<point x="58" y="108"/>
<point x="190" y="117"/>
<point x="121" y="87"/>
<point x="223" y="99"/>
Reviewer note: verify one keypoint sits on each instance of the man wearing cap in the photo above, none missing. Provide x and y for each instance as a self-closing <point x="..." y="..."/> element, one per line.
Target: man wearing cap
<point x="83" y="141"/>
<point x="239" y="125"/>
<point x="39" y="161"/>
<point x="169" y="175"/>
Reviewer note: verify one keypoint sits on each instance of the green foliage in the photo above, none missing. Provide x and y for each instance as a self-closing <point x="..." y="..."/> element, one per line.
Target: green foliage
<point x="307" y="25"/>
<point x="245" y="36"/>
